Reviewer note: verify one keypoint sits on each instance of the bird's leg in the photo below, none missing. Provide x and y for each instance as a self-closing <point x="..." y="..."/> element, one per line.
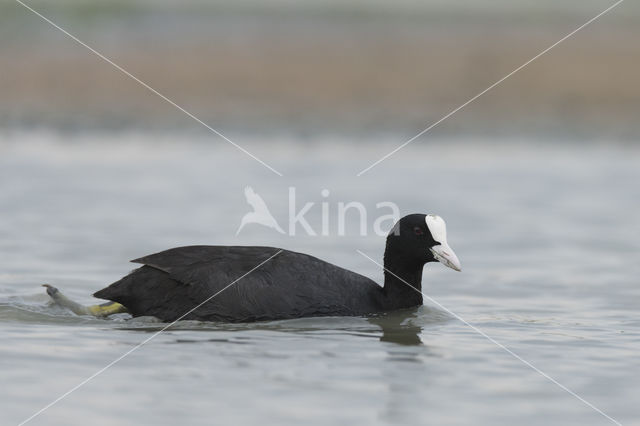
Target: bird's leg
<point x="102" y="310"/>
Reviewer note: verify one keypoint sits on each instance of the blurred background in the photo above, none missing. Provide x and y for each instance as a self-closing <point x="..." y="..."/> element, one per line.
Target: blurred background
<point x="537" y="180"/>
<point x="324" y="66"/>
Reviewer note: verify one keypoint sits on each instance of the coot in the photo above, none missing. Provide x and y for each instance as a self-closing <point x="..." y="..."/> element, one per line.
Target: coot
<point x="268" y="283"/>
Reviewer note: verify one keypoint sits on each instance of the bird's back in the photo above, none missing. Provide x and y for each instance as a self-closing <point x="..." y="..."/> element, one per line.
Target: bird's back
<point x="241" y="284"/>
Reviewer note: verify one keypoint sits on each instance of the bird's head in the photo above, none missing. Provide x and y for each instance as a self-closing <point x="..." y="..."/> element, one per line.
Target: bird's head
<point x="422" y="238"/>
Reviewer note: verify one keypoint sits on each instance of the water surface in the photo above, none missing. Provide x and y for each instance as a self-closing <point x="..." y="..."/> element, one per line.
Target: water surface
<point x="547" y="234"/>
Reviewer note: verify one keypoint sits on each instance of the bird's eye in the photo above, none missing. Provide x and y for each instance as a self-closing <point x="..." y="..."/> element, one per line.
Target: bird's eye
<point x="418" y="231"/>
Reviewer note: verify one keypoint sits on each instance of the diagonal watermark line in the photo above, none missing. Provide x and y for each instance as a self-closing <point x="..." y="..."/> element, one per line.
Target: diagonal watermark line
<point x="145" y="85"/>
<point x="489" y="88"/>
<point x="500" y="345"/>
<point x="124" y="355"/>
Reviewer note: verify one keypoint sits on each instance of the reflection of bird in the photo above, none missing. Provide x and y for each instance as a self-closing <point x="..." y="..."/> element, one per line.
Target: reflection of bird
<point x="260" y="213"/>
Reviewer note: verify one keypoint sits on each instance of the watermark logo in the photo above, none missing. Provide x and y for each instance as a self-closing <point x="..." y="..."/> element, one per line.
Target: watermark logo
<point x="335" y="218"/>
<point x="260" y="214"/>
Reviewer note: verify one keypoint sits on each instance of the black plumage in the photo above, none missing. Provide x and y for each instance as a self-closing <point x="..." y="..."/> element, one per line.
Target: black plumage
<point x="266" y="283"/>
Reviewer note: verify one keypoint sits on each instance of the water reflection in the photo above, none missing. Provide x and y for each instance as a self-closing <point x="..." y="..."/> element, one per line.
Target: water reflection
<point x="405" y="370"/>
<point x="399" y="327"/>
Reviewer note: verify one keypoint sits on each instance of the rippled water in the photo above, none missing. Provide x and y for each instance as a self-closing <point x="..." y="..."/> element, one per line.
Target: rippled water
<point x="547" y="234"/>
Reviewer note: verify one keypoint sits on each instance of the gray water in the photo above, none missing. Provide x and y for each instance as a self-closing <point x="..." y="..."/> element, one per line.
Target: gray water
<point x="547" y="234"/>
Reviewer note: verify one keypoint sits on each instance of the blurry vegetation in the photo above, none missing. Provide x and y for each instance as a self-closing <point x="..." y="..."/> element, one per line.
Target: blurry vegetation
<point x="323" y="66"/>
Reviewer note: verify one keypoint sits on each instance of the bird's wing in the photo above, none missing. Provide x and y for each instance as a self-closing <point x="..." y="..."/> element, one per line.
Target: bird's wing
<point x="239" y="284"/>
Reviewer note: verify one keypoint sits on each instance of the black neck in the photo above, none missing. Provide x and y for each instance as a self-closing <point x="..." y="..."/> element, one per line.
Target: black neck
<point x="402" y="281"/>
